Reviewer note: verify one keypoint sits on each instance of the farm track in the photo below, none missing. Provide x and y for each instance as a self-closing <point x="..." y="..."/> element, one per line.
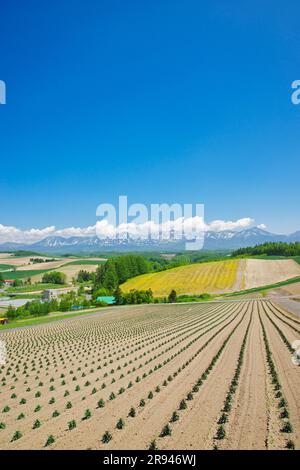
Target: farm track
<point x="123" y="356"/>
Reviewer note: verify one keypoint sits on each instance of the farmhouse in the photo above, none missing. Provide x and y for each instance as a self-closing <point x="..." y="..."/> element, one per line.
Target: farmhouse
<point x="51" y="294"/>
<point x="3" y="321"/>
<point x="8" y="282"/>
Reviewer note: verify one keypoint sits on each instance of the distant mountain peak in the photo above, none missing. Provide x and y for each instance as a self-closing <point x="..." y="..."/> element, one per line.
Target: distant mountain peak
<point x="225" y="240"/>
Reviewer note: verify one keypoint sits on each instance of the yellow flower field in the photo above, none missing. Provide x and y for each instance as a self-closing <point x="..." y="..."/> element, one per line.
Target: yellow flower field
<point x="191" y="279"/>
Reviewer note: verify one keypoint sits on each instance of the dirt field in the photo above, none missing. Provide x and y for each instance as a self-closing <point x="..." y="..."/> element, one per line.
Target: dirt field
<point x="266" y="272"/>
<point x="71" y="271"/>
<point x="187" y="370"/>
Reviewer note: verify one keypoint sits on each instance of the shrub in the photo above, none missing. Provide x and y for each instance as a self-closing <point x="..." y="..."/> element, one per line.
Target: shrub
<point x="101" y="403"/>
<point x="132" y="412"/>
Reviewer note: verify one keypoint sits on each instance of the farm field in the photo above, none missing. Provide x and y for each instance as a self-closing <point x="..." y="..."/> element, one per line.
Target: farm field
<point x="70" y="270"/>
<point x="212" y="277"/>
<point x="260" y="272"/>
<point x="23" y="268"/>
<point x="218" y="277"/>
<point x="189" y="376"/>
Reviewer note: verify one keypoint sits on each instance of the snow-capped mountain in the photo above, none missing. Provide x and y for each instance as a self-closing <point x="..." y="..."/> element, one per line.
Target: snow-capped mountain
<point x="213" y="241"/>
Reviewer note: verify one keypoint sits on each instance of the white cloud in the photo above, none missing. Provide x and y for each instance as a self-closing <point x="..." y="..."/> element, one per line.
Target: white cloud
<point x="13" y="234"/>
<point x="188" y="226"/>
<point x="262" y="226"/>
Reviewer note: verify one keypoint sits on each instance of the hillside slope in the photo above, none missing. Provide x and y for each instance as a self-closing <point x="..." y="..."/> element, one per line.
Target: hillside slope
<point x="216" y="277"/>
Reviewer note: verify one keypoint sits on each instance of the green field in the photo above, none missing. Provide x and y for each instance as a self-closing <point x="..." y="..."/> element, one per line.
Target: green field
<point x="5" y="266"/>
<point x="46" y="319"/>
<point x="293" y="280"/>
<point x="23" y="274"/>
<point x="85" y="262"/>
<point x="34" y="287"/>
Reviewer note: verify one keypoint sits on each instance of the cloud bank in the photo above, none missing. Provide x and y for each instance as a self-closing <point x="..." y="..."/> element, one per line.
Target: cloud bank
<point x="104" y="230"/>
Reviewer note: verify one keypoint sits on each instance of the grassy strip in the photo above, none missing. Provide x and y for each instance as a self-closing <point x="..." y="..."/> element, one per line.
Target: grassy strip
<point x="85" y="262"/>
<point x="293" y="280"/>
<point x="282" y="404"/>
<point x="24" y="274"/>
<point x="34" y="287"/>
<point x="46" y="319"/>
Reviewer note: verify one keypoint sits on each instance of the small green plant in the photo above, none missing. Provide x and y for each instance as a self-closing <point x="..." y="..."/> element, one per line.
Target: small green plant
<point x="287" y="427"/>
<point x="106" y="437"/>
<point x="166" y="431"/>
<point x="50" y="440"/>
<point x="153" y="445"/>
<point x="174" y="417"/>
<point x="132" y="412"/>
<point x="17" y="435"/>
<point x="36" y="424"/>
<point x="290" y="445"/>
<point x="182" y="405"/>
<point x="71" y="424"/>
<point x="101" y="403"/>
<point x="221" y="432"/>
<point x="120" y="424"/>
<point x="87" y="414"/>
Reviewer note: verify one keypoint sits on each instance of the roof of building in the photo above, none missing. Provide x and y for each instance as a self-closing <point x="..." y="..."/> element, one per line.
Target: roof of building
<point x="109" y="299"/>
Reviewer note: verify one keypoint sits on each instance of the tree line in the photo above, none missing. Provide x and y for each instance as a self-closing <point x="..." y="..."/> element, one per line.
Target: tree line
<point x="270" y="249"/>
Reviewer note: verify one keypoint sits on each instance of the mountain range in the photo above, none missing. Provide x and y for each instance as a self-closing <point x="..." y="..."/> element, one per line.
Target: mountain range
<point x="225" y="240"/>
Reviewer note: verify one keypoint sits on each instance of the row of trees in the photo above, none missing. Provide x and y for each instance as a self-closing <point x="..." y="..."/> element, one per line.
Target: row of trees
<point x="270" y="249"/>
<point x="140" y="297"/>
<point x="54" y="277"/>
<point x="35" y="308"/>
<point x="117" y="270"/>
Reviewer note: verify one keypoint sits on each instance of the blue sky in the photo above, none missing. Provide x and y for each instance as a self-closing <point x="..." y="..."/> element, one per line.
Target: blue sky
<point x="164" y="101"/>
